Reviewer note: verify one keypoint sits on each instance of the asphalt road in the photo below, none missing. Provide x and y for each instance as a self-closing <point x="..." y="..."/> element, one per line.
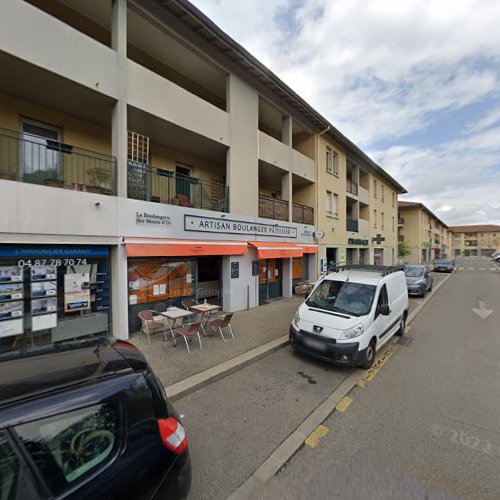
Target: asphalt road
<point x="235" y="423"/>
<point x="428" y="425"/>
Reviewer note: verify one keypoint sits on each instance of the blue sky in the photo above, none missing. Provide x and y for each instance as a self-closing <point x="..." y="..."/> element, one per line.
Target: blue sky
<point x="415" y="84"/>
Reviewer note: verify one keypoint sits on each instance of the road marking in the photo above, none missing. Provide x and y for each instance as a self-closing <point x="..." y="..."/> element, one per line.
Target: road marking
<point x="482" y="269"/>
<point x="482" y="312"/>
<point x="471" y="268"/>
<point x="492" y="269"/>
<point x="460" y="268"/>
<point x="344" y="404"/>
<point x="370" y="375"/>
<point x="313" y="438"/>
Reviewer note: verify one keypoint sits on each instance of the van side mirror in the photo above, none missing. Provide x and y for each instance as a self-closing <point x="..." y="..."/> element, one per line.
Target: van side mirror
<point x="384" y="309"/>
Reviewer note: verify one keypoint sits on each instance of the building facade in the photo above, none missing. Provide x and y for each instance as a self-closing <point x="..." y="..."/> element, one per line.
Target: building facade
<point x="146" y="158"/>
<point x="425" y="235"/>
<point x="476" y="240"/>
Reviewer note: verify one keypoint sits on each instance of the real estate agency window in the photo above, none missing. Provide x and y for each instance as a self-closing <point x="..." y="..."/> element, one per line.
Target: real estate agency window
<point x="50" y="294"/>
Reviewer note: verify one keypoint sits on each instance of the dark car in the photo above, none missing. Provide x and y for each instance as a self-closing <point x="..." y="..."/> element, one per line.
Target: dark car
<point x="418" y="279"/>
<point x="444" y="265"/>
<point x="88" y="420"/>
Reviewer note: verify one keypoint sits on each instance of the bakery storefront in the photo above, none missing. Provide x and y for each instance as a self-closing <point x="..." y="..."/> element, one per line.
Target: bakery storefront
<point x="53" y="293"/>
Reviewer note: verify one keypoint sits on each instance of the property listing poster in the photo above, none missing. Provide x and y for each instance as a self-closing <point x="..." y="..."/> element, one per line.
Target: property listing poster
<point x="76" y="292"/>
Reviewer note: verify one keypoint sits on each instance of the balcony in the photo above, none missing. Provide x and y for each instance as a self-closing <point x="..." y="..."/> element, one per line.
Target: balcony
<point x="352" y="187"/>
<point x="401" y="221"/>
<point x="148" y="183"/>
<point x="352" y="225"/>
<point x="302" y="214"/>
<point x="36" y="160"/>
<point x="272" y="208"/>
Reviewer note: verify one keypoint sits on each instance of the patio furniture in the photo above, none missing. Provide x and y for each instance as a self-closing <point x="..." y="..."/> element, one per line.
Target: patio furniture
<point x="173" y="314"/>
<point x="184" y="200"/>
<point x="188" y="305"/>
<point x="205" y="310"/>
<point x="190" y="331"/>
<point x="151" y="322"/>
<point x="222" y="322"/>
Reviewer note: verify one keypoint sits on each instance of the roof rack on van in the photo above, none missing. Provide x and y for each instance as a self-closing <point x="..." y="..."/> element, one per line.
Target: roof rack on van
<point x="383" y="270"/>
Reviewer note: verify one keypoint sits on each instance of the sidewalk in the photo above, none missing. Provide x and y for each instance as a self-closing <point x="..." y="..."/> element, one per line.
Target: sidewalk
<point x="251" y="329"/>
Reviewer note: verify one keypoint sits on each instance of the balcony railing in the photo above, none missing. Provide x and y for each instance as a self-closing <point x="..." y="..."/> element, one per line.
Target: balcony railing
<point x="302" y="214"/>
<point x="164" y="186"/>
<point x="272" y="208"/>
<point x="352" y="225"/>
<point x="401" y="221"/>
<point x="37" y="160"/>
<point x="352" y="187"/>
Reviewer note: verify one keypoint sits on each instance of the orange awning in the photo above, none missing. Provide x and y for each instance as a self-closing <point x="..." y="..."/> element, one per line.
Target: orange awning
<point x="178" y="248"/>
<point x="278" y="250"/>
<point x="310" y="248"/>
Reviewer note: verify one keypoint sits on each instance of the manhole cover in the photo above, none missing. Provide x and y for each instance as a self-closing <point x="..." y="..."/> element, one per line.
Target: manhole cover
<point x="405" y="340"/>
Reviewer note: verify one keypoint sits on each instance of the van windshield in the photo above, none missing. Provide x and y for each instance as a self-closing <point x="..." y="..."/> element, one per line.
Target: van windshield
<point x="343" y="297"/>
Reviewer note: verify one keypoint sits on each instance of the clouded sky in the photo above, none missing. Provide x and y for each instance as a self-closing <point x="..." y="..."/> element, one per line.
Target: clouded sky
<point x="414" y="83"/>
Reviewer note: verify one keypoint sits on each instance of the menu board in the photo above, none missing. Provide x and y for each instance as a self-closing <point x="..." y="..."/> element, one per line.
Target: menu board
<point x="11" y="291"/>
<point x="43" y="289"/>
<point x="41" y="273"/>
<point x="45" y="305"/>
<point x="11" y="310"/>
<point x="11" y="273"/>
<point x="76" y="292"/>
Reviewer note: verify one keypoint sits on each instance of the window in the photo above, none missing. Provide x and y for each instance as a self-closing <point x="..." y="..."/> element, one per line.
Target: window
<point x="382" y="220"/>
<point x="71" y="446"/>
<point x="328" y="160"/>
<point x="9" y="471"/>
<point x="393" y="225"/>
<point x="374" y="188"/>
<point x="335" y="163"/>
<point x="382" y="189"/>
<point x="329" y="203"/>
<point x="374" y="218"/>
<point x="335" y="204"/>
<point x="393" y="199"/>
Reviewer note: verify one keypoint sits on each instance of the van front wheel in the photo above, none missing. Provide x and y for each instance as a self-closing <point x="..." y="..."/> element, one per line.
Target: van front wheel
<point x="369" y="356"/>
<point x="402" y="326"/>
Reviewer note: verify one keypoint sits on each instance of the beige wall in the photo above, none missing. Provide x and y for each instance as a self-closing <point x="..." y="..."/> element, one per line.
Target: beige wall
<point x="485" y="240"/>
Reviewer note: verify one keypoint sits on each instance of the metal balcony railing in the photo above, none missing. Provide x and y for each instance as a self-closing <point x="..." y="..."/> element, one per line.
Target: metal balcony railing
<point x="37" y="160"/>
<point x="164" y="186"/>
<point x="302" y="214"/>
<point x="352" y="187"/>
<point x="272" y="208"/>
<point x="352" y="225"/>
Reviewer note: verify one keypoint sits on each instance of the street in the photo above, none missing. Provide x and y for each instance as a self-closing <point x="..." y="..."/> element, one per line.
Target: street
<point x="432" y="392"/>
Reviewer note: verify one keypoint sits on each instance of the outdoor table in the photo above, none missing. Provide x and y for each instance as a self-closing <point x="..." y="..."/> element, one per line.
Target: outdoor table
<point x="205" y="309"/>
<point x="173" y="315"/>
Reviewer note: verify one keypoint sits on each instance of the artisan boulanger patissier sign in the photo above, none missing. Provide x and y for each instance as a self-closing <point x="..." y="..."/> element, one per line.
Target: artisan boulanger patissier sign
<point x="230" y="226"/>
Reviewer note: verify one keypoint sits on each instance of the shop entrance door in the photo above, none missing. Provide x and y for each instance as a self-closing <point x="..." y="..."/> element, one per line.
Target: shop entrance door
<point x="269" y="280"/>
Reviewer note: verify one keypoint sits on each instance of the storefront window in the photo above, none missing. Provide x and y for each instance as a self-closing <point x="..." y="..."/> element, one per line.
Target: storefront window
<point x="50" y="294"/>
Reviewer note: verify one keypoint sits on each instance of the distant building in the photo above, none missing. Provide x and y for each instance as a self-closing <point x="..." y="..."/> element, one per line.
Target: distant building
<point x="479" y="239"/>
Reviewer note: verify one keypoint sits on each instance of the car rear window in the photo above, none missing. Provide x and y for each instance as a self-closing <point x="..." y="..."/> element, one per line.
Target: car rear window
<point x="70" y="447"/>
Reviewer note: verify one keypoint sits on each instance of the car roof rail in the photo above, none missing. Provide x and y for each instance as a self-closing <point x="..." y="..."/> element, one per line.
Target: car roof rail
<point x="383" y="270"/>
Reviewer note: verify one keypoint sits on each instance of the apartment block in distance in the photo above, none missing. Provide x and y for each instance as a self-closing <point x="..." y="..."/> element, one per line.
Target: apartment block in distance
<point x="479" y="239"/>
<point x="427" y="236"/>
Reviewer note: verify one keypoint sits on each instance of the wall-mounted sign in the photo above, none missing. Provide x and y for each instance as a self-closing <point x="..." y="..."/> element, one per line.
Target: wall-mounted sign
<point x="150" y="219"/>
<point x="319" y="235"/>
<point x="255" y="267"/>
<point x="76" y="292"/>
<point x="354" y="241"/>
<point x="235" y="269"/>
<point x="427" y="243"/>
<point x="230" y="226"/>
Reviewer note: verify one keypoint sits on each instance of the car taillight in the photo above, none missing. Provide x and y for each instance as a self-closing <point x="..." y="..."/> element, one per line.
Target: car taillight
<point x="173" y="435"/>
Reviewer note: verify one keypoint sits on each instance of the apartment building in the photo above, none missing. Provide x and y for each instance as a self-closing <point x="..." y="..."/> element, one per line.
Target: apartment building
<point x="146" y="158"/>
<point x="480" y="239"/>
<point x="357" y="205"/>
<point x="426" y="236"/>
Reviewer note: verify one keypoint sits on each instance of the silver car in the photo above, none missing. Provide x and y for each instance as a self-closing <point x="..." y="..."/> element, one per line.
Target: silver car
<point x="418" y="279"/>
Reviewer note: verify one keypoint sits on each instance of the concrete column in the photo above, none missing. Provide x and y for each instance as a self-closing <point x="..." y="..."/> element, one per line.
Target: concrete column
<point x="119" y="292"/>
<point x="119" y="26"/>
<point x="286" y="130"/>
<point x="313" y="266"/>
<point x="242" y="164"/>
<point x="286" y="179"/>
<point x="287" y="277"/>
<point x="287" y="191"/>
<point x="239" y="293"/>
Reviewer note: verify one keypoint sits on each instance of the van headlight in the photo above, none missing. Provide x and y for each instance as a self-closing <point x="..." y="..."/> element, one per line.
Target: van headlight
<point x="355" y="331"/>
<point x="296" y="319"/>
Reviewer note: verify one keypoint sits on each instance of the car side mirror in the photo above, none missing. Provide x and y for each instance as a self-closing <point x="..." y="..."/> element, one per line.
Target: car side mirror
<point x="384" y="309"/>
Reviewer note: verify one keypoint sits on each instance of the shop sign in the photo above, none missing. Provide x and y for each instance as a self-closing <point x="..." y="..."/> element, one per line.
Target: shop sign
<point x="231" y="226"/>
<point x="354" y="241"/>
<point x="427" y="243"/>
<point x="151" y="219"/>
<point x="235" y="269"/>
<point x="255" y="267"/>
<point x="31" y="251"/>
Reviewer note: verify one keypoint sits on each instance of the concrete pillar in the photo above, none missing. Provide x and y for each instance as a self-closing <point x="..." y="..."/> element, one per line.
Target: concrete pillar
<point x="287" y="179"/>
<point x="286" y="130"/>
<point x="287" y="277"/>
<point x="242" y="164"/>
<point x="313" y="266"/>
<point x="287" y="191"/>
<point x="239" y="293"/>
<point x="119" y="292"/>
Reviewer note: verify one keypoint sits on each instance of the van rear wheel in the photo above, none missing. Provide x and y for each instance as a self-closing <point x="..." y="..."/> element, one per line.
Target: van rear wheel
<point x="369" y="356"/>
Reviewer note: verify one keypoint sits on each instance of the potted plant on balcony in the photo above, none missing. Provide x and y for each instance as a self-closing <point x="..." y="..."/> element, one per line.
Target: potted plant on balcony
<point x="8" y="175"/>
<point x="50" y="177"/>
<point x="100" y="180"/>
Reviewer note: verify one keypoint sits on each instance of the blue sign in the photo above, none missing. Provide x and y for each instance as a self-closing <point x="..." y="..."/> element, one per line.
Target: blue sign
<point x="34" y="251"/>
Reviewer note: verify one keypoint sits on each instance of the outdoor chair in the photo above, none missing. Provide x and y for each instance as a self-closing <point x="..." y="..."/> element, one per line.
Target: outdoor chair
<point x="152" y="322"/>
<point x="222" y="322"/>
<point x="184" y="200"/>
<point x="197" y="316"/>
<point x="190" y="331"/>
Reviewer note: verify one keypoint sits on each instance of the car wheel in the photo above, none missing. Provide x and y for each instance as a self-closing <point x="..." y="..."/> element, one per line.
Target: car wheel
<point x="369" y="356"/>
<point x="402" y="326"/>
<point x="430" y="287"/>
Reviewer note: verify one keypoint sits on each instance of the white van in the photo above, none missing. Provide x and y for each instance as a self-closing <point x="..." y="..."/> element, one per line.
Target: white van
<point x="351" y="313"/>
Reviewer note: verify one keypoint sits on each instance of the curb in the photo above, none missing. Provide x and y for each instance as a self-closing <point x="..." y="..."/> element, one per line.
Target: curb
<point x="206" y="377"/>
<point x="295" y="440"/>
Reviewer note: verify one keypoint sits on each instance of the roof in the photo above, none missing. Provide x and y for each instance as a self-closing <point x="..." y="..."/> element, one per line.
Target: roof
<point x="407" y="205"/>
<point x="202" y="26"/>
<point x="478" y="228"/>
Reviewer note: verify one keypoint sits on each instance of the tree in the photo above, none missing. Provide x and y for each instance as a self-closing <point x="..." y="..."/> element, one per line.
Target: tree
<point x="466" y="252"/>
<point x="403" y="250"/>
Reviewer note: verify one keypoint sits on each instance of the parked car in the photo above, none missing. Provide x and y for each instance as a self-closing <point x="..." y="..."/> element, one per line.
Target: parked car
<point x="351" y="313"/>
<point x="88" y="420"/>
<point x="418" y="280"/>
<point x="444" y="265"/>
<point x="496" y="256"/>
